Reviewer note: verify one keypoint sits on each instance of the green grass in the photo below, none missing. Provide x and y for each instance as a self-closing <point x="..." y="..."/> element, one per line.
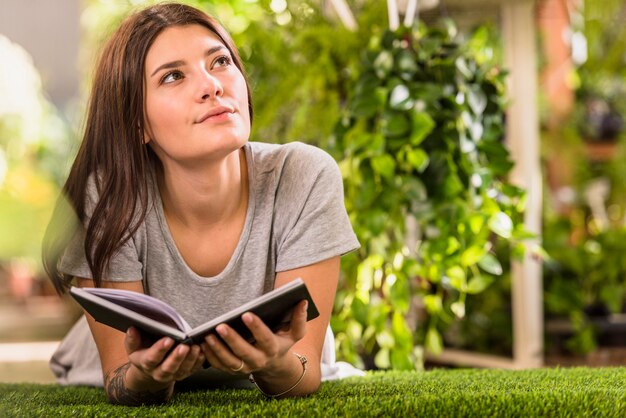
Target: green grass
<point x="576" y="392"/>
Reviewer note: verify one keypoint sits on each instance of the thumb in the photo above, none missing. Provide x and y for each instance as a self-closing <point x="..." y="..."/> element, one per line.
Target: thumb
<point x="298" y="321"/>
<point x="132" y="342"/>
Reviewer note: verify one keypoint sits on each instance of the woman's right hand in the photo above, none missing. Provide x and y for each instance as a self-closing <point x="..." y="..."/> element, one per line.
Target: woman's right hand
<point x="157" y="363"/>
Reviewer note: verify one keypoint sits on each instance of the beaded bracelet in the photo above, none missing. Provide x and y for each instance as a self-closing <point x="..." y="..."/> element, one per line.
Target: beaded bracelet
<point x="303" y="361"/>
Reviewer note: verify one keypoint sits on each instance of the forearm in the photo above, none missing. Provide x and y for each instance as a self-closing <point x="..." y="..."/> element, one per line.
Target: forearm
<point x="294" y="379"/>
<point x="123" y="386"/>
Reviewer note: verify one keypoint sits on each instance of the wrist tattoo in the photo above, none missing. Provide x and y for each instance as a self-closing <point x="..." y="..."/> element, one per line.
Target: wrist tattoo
<point x="118" y="393"/>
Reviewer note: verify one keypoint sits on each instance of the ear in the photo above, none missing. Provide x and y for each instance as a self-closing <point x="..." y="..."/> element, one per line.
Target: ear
<point x="145" y="135"/>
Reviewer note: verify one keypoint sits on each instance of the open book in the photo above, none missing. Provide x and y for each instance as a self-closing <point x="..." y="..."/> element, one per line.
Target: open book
<point x="122" y="309"/>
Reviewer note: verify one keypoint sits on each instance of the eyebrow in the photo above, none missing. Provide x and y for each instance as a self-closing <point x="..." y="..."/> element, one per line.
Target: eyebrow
<point x="178" y="63"/>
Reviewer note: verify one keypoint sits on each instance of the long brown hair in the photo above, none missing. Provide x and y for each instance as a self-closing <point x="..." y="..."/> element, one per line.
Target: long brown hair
<point x="112" y="152"/>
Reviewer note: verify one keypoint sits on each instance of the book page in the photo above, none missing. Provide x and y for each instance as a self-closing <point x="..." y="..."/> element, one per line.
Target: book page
<point x="143" y="304"/>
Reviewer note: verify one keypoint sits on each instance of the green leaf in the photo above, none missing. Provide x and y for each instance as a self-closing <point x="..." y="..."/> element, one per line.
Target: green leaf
<point x="458" y="309"/>
<point x="476" y="223"/>
<point x="376" y="143"/>
<point x="381" y="94"/>
<point x="385" y="339"/>
<point x="457" y="278"/>
<point x="490" y="264"/>
<point x="434" y="274"/>
<point x="613" y="297"/>
<point x="429" y="47"/>
<point x="478" y="283"/>
<point x="381" y="360"/>
<point x="461" y="66"/>
<point x="376" y="220"/>
<point x="452" y="185"/>
<point x="476" y="130"/>
<point x="433" y="304"/>
<point x="354" y="330"/>
<point x="414" y="189"/>
<point x="466" y="145"/>
<point x="400" y="98"/>
<point x="418" y="159"/>
<point x="364" y="106"/>
<point x="366" y="196"/>
<point x="428" y="92"/>
<point x="359" y="309"/>
<point x="400" y="294"/>
<point x="477" y="100"/>
<point x="401" y="332"/>
<point x="401" y="360"/>
<point x="472" y="255"/>
<point x="384" y="165"/>
<point x="501" y="224"/>
<point x="406" y="64"/>
<point x="364" y="282"/>
<point x="452" y="245"/>
<point x="383" y="64"/>
<point x="422" y="125"/>
<point x="368" y="98"/>
<point x="434" y="342"/>
<point x="394" y="124"/>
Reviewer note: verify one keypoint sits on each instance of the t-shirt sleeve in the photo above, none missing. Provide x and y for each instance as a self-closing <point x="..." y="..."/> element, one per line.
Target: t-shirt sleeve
<point x="310" y="213"/>
<point x="124" y="265"/>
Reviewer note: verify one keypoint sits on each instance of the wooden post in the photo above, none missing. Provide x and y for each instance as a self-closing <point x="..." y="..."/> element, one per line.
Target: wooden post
<point x="518" y="24"/>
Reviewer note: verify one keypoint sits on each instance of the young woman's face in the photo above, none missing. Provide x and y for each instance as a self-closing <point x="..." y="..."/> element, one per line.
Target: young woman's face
<point x="196" y="105"/>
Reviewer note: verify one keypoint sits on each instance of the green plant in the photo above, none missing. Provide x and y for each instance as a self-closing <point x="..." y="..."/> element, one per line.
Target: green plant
<point x="488" y="324"/>
<point x="299" y="63"/>
<point x="601" y="93"/>
<point x="585" y="276"/>
<point x="421" y="149"/>
<point x="33" y="139"/>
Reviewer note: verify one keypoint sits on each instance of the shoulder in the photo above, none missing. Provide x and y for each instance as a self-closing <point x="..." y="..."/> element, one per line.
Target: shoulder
<point x="292" y="158"/>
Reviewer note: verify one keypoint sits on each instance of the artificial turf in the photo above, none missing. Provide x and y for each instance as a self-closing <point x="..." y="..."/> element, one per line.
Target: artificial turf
<point x="576" y="392"/>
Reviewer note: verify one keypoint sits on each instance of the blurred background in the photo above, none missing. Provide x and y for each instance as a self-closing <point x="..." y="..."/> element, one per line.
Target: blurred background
<point x="310" y="62"/>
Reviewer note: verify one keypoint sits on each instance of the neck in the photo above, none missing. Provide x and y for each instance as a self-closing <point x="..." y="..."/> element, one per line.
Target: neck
<point x="206" y="196"/>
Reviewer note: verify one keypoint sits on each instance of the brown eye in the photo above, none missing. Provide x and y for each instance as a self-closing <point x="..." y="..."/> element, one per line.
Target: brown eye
<point x="222" y="61"/>
<point x="171" y="77"/>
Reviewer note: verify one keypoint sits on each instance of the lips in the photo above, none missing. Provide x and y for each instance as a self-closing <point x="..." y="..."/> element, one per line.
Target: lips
<point x="216" y="112"/>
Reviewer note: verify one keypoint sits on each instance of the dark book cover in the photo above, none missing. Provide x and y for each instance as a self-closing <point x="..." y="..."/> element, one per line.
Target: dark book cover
<point x="122" y="309"/>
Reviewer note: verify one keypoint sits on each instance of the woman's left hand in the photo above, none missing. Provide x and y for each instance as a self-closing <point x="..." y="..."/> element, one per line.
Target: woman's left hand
<point x="235" y="355"/>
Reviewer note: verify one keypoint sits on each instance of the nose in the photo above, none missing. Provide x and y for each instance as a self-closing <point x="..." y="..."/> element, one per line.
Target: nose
<point x="210" y="87"/>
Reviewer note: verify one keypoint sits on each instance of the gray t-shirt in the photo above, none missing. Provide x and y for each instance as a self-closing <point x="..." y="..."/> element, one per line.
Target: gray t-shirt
<point x="295" y="217"/>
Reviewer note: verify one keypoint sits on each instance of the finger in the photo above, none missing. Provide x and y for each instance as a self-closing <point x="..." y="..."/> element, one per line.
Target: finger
<point x="224" y="358"/>
<point x="253" y="355"/>
<point x="265" y="339"/>
<point x="172" y="364"/>
<point x="187" y="366"/>
<point x="297" y="327"/>
<point x="190" y="364"/>
<point x="153" y="356"/>
<point x="199" y="364"/>
<point x="212" y="358"/>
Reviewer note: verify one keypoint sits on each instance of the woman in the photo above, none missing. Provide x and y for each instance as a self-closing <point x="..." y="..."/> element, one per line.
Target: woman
<point x="174" y="201"/>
